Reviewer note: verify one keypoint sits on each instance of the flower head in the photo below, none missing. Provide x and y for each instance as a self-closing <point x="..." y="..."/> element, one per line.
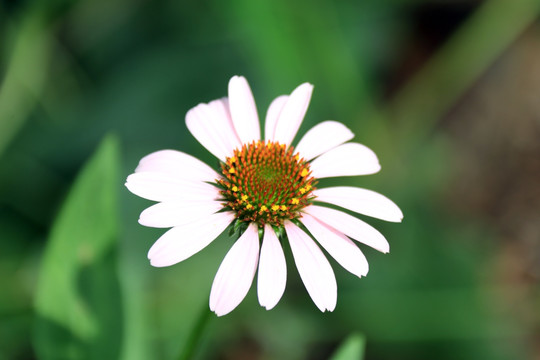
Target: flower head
<point x="265" y="191"/>
<point x="266" y="183"/>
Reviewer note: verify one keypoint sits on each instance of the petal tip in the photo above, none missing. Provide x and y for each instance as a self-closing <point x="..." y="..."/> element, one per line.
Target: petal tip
<point x="366" y="272"/>
<point x="269" y="307"/>
<point x="220" y="310"/>
<point x="305" y="89"/>
<point x="141" y="221"/>
<point x="220" y="313"/>
<point x="236" y="79"/>
<point x="154" y="261"/>
<point x="306" y="85"/>
<point x="397" y="217"/>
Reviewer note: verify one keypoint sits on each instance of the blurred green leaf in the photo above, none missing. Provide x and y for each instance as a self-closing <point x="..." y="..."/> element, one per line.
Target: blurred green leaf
<point x="24" y="77"/>
<point x="78" y="297"/>
<point x="351" y="349"/>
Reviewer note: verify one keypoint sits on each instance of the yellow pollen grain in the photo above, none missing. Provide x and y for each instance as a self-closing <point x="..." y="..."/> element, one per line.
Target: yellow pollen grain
<point x="302" y="190"/>
<point x="275" y="207"/>
<point x="297" y="157"/>
<point x="244" y="197"/>
<point x="302" y="174"/>
<point x="232" y="160"/>
<point x="283" y="208"/>
<point x="263" y="208"/>
<point x="295" y="201"/>
<point x="235" y="188"/>
<point x="232" y="171"/>
<point x="249" y="206"/>
<point x="308" y="187"/>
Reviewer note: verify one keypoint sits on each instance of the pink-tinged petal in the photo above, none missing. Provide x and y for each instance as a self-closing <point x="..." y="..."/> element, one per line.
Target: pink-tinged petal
<point x="350" y="226"/>
<point x="243" y="110"/>
<point x="346" y="253"/>
<point x="272" y="115"/>
<point x="183" y="241"/>
<point x="163" y="187"/>
<point x="362" y="201"/>
<point x="236" y="272"/>
<point x="346" y="160"/>
<point x="322" y="138"/>
<point x="227" y="131"/>
<point x="315" y="270"/>
<point x="169" y="214"/>
<point x="212" y="127"/>
<point x="176" y="164"/>
<point x="272" y="275"/>
<point x="292" y="114"/>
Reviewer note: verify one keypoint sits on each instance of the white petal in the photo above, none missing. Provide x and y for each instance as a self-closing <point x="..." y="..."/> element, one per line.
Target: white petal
<point x="323" y="137"/>
<point x="272" y="115"/>
<point x="350" y="226"/>
<point x="362" y="201"/>
<point x="346" y="253"/>
<point x="212" y="127"/>
<point x="236" y="272"/>
<point x="227" y="131"/>
<point x="177" y="164"/>
<point x="169" y="214"/>
<point x="243" y="110"/>
<point x="315" y="270"/>
<point x="163" y="187"/>
<point x="181" y="242"/>
<point x="346" y="160"/>
<point x="272" y="275"/>
<point x="292" y="114"/>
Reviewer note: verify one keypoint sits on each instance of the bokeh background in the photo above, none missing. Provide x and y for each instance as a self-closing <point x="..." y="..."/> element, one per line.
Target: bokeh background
<point x="447" y="93"/>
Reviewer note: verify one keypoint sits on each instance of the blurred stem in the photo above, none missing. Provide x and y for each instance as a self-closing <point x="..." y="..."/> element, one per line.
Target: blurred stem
<point x="472" y="49"/>
<point x="195" y="335"/>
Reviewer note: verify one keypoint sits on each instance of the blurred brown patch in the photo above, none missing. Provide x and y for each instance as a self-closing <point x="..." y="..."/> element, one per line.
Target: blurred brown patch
<point x="246" y="348"/>
<point x="496" y="130"/>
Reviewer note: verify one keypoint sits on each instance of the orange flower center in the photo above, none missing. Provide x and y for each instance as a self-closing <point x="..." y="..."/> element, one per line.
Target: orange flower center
<point x="265" y="183"/>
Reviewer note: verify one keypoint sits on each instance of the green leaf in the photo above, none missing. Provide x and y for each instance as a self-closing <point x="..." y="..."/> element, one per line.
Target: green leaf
<point x="25" y="76"/>
<point x="78" y="298"/>
<point x="351" y="349"/>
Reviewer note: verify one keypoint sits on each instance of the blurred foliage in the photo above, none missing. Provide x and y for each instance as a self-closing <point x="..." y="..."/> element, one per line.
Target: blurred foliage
<point x="74" y="273"/>
<point x="351" y="349"/>
<point x="78" y="302"/>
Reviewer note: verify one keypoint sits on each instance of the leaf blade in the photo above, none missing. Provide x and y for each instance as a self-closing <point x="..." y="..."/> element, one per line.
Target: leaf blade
<point x="78" y="297"/>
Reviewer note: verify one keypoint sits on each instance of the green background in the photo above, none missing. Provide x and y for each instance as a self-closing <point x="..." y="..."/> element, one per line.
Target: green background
<point x="446" y="93"/>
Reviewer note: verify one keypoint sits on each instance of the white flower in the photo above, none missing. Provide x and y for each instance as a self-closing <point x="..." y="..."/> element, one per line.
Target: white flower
<point x="266" y="192"/>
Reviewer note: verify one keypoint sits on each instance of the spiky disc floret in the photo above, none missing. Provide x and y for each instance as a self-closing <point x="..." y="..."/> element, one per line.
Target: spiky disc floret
<point x="265" y="183"/>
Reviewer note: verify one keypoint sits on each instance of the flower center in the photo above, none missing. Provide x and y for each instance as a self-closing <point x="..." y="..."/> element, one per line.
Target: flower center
<point x="264" y="182"/>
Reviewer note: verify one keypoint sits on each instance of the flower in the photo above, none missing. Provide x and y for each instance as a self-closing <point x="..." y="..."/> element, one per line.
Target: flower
<point x="265" y="191"/>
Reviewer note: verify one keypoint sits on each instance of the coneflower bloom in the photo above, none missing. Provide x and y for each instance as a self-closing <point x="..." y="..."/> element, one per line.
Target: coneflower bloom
<point x="265" y="192"/>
